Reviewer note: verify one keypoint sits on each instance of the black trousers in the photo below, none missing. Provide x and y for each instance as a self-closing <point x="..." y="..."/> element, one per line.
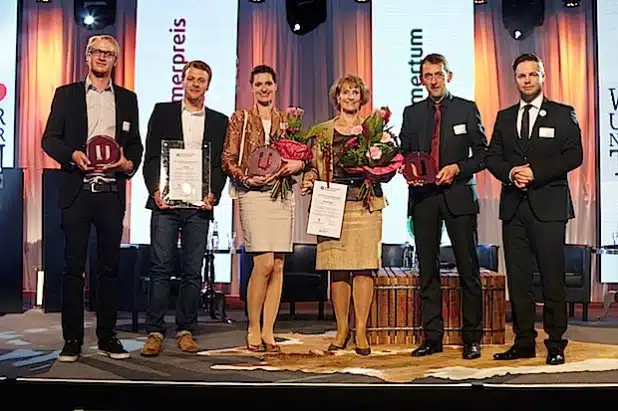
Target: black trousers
<point x="428" y="214"/>
<point x="106" y="212"/>
<point x="525" y="237"/>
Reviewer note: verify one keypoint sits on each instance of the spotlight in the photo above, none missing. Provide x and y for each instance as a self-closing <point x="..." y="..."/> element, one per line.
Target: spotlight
<point x="521" y="17"/>
<point x="479" y="2"/>
<point x="304" y="16"/>
<point x="571" y="3"/>
<point x="94" y="15"/>
<point x="362" y="1"/>
<point x="43" y="1"/>
<point x="256" y="1"/>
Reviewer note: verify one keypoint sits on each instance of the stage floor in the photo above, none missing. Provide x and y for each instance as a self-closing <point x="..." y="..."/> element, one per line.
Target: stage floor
<point x="30" y="344"/>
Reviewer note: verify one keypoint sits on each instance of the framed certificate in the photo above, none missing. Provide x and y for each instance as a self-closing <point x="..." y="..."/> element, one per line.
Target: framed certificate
<point x="327" y="207"/>
<point x="185" y="174"/>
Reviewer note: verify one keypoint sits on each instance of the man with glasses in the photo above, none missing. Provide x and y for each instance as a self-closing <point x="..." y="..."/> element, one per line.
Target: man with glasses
<point x="93" y="195"/>
<point x="448" y="128"/>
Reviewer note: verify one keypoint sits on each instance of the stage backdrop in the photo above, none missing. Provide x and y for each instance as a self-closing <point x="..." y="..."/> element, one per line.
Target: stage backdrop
<point x="170" y="34"/>
<point x="8" y="72"/>
<point x="607" y="52"/>
<point x="51" y="54"/>
<point x="401" y="36"/>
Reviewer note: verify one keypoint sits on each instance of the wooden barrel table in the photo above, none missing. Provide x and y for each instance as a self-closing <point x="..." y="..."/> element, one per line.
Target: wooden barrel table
<point x="395" y="315"/>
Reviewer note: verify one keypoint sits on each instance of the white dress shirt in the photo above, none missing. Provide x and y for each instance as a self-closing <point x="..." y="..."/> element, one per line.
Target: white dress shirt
<point x="533" y="113"/>
<point x="101" y="112"/>
<point x="193" y="127"/>
<point x="267" y="125"/>
<point x="193" y="130"/>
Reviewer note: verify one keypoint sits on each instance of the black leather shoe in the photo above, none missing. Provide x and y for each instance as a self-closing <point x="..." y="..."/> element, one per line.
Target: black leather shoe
<point x="555" y="356"/>
<point x="471" y="351"/>
<point x="515" y="353"/>
<point x="426" y="348"/>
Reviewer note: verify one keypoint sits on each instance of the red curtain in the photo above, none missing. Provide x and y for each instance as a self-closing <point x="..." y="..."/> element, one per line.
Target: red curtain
<point x="51" y="53"/>
<point x="565" y="43"/>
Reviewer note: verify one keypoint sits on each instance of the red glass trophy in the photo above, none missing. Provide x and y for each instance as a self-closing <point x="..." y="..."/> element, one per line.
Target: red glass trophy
<point x="264" y="161"/>
<point x="102" y="151"/>
<point x="420" y="168"/>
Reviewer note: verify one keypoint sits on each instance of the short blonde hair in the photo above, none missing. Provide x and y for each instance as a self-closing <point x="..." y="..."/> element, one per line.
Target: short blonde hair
<point x="351" y="81"/>
<point x="107" y="37"/>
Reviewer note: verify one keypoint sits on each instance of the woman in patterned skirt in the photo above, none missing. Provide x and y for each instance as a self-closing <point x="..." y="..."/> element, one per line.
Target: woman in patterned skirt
<point x="353" y="258"/>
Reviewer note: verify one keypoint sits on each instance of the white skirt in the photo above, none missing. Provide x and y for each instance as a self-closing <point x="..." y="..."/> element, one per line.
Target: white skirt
<point x="267" y="224"/>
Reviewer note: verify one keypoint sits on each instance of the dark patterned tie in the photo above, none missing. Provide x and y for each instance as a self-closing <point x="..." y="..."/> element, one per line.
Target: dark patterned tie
<point x="435" y="136"/>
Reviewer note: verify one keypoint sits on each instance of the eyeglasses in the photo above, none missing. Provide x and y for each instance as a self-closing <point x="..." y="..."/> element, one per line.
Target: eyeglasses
<point x="104" y="53"/>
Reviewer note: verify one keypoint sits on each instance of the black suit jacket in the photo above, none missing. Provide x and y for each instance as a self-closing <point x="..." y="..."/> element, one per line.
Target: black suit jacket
<point x="67" y="130"/>
<point x="166" y="124"/>
<point x="550" y="160"/>
<point x="416" y="130"/>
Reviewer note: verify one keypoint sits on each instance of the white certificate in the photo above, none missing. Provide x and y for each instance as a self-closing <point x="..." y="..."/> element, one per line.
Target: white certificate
<point x="185" y="174"/>
<point x="326" y="212"/>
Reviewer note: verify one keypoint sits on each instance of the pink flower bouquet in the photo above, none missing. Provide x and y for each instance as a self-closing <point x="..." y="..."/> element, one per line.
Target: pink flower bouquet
<point x="292" y="144"/>
<point x="373" y="153"/>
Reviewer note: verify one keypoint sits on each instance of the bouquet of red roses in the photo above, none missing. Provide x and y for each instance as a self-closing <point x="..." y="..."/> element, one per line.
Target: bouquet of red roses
<point x="291" y="144"/>
<point x="373" y="153"/>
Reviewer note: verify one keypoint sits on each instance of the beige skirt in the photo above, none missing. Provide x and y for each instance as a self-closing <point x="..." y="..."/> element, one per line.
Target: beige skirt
<point x="266" y="224"/>
<point x="359" y="247"/>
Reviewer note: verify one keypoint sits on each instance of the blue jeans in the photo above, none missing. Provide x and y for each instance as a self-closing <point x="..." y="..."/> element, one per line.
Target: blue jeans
<point x="164" y="228"/>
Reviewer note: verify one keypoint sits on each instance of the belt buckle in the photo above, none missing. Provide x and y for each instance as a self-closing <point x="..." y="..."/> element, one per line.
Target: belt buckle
<point x="94" y="189"/>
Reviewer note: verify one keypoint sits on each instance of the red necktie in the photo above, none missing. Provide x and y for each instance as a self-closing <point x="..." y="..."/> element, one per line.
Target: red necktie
<point x="435" y="137"/>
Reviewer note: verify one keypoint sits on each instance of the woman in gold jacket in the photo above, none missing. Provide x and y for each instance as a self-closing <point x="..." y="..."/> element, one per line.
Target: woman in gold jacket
<point x="266" y="223"/>
<point x="353" y="257"/>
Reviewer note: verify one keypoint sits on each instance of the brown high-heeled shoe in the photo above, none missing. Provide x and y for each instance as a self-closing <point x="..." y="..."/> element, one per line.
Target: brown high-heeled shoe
<point x="255" y="347"/>
<point x="272" y="348"/>
<point x="334" y="347"/>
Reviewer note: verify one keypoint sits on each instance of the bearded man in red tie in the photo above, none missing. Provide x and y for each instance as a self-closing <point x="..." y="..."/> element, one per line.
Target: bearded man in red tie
<point x="448" y="128"/>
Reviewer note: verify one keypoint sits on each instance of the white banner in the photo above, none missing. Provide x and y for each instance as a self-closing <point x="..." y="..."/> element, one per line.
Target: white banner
<point x="170" y="34"/>
<point x="8" y="71"/>
<point x="403" y="32"/>
<point x="607" y="38"/>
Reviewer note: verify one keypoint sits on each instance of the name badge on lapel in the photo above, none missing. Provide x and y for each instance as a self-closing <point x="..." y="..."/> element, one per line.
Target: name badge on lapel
<point x="546" y="132"/>
<point x="459" y="129"/>
<point x="126" y="126"/>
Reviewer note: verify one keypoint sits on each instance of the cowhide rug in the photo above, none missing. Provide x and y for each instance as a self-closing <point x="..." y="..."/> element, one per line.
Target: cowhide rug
<point x="307" y="353"/>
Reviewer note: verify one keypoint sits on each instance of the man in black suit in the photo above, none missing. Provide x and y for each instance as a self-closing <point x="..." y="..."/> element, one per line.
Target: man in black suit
<point x="191" y="122"/>
<point x="535" y="143"/>
<point x="447" y="127"/>
<point x="89" y="195"/>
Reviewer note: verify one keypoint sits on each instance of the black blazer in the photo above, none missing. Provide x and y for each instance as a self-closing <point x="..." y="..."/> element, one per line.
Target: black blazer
<point x="166" y="124"/>
<point x="67" y="130"/>
<point x="550" y="160"/>
<point x="416" y="130"/>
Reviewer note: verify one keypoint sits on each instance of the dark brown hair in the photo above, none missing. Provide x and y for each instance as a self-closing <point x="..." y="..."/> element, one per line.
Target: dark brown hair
<point x="263" y="69"/>
<point x="435" y="58"/>
<point x="526" y="57"/>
